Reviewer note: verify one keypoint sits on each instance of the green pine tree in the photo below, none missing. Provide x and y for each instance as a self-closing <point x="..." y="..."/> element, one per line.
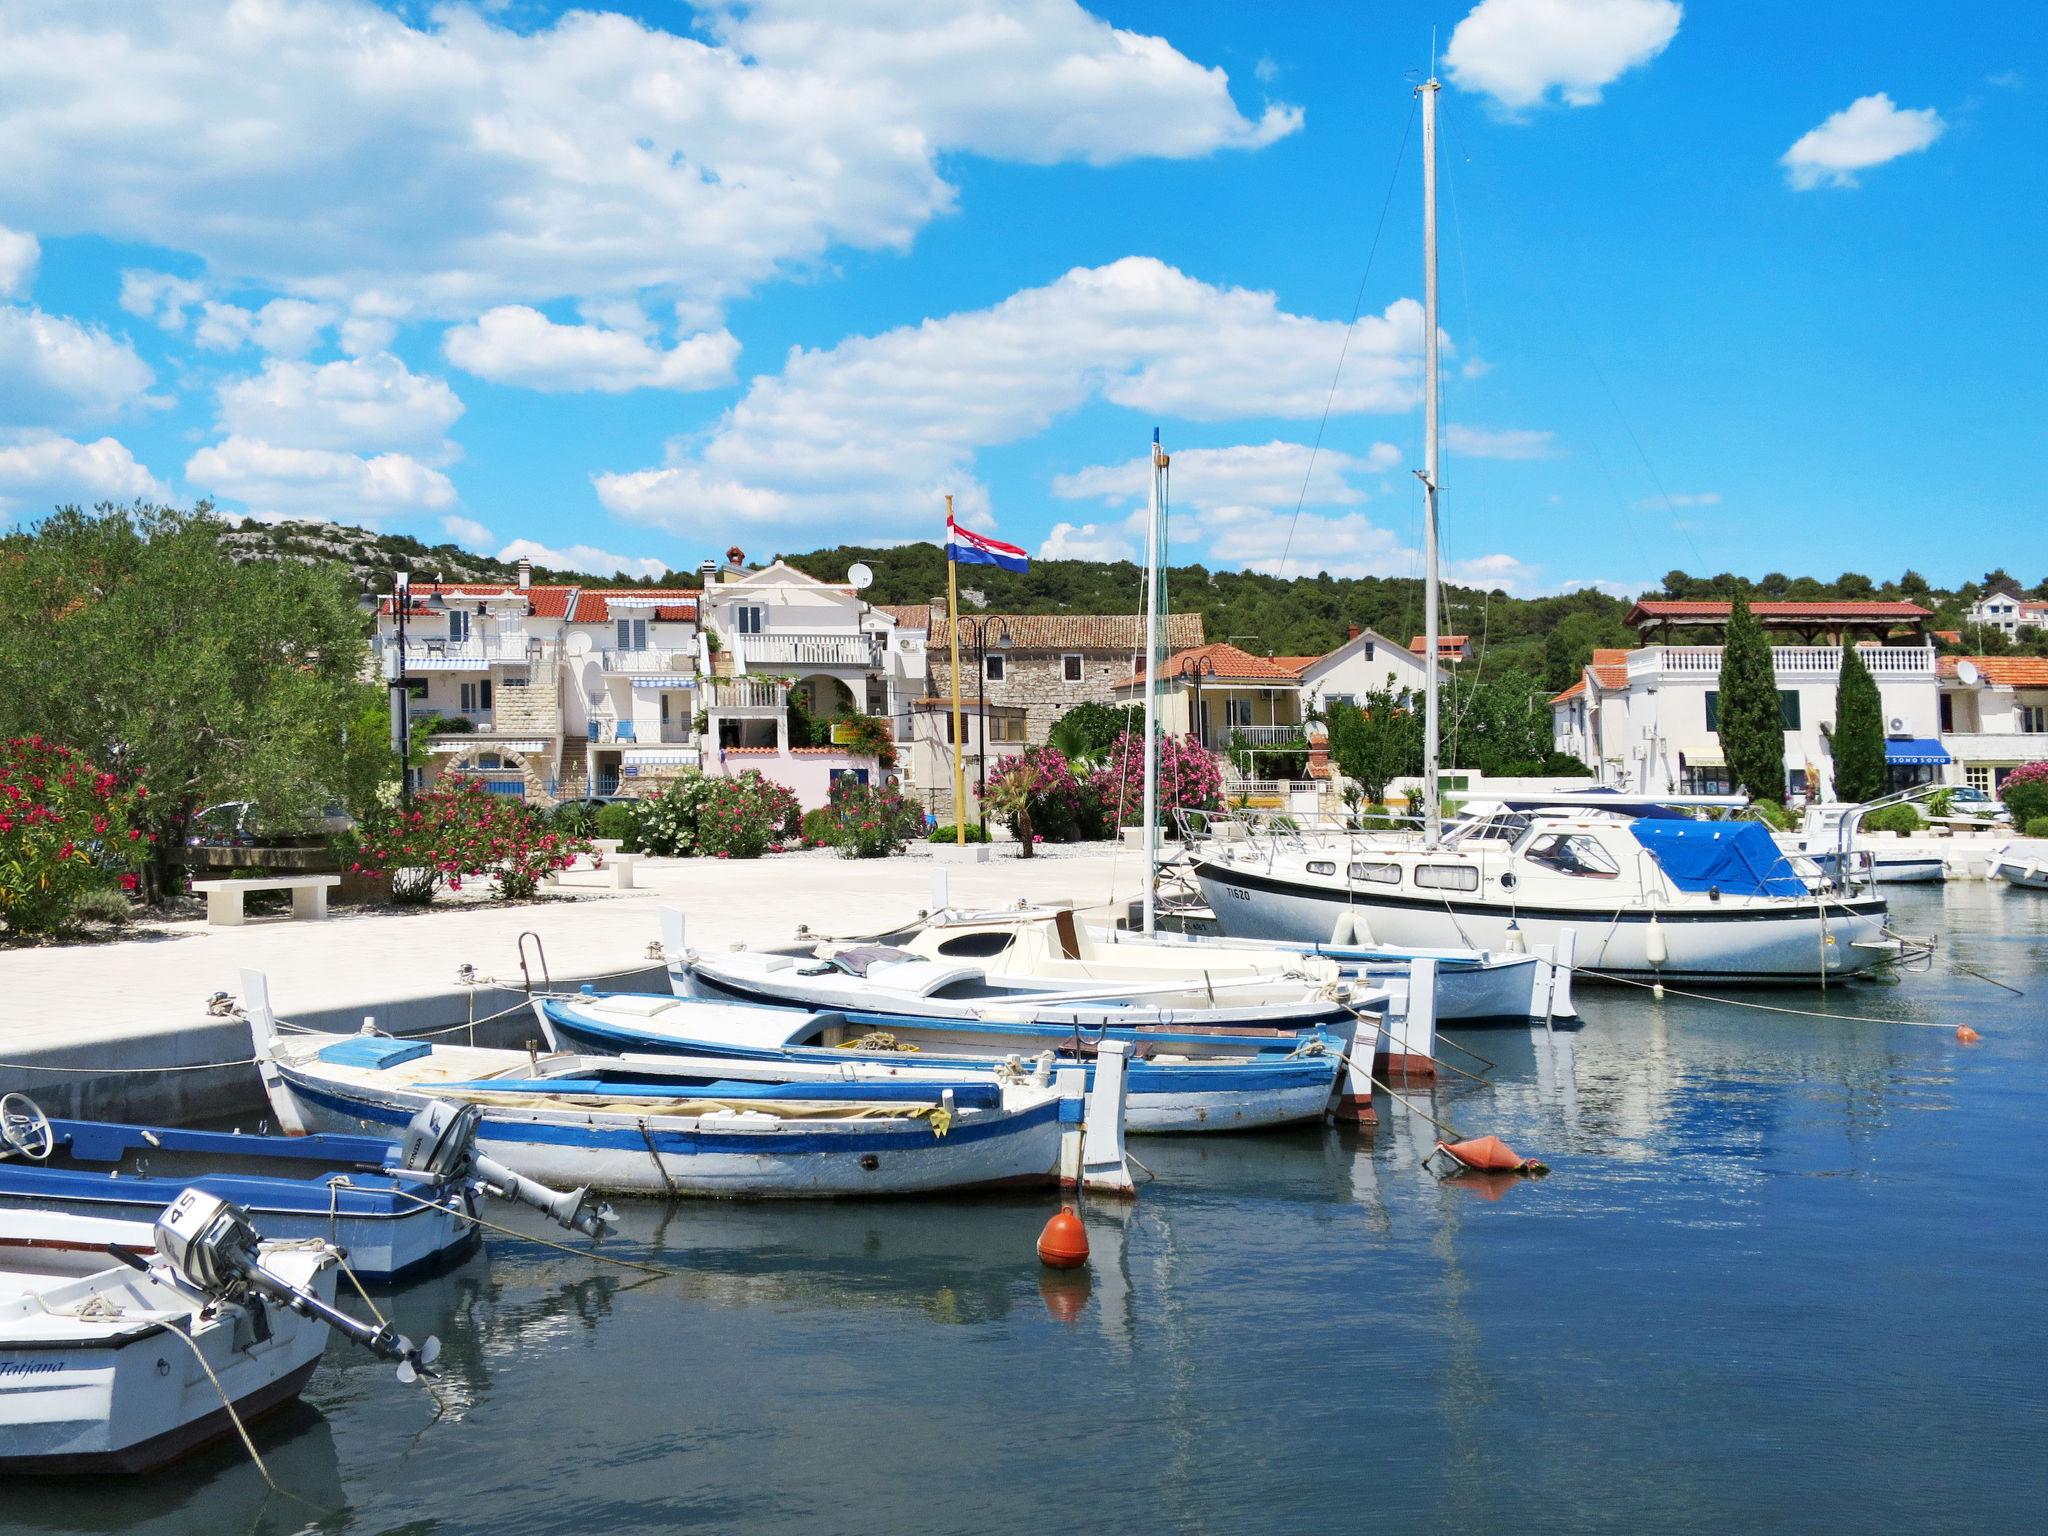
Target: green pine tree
<point x="1859" y="731"/>
<point x="1750" y="723"/>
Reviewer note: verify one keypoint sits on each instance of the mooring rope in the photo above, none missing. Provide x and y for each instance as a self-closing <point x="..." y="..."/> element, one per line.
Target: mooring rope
<point x="585" y="1253"/>
<point x="1738" y="1002"/>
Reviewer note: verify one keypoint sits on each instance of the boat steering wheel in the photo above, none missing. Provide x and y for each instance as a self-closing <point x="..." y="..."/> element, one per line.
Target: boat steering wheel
<point x="25" y="1128"/>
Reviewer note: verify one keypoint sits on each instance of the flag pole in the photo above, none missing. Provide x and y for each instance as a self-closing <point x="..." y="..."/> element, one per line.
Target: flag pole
<point x="953" y="634"/>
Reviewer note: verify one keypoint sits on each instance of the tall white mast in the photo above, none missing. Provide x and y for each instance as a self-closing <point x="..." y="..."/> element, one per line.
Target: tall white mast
<point x="1432" y="821"/>
<point x="1151" y="811"/>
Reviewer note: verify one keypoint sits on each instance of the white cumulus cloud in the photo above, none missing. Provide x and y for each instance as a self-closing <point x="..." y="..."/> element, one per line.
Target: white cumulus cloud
<point x="19" y="253"/>
<point x="514" y="344"/>
<point x="468" y="531"/>
<point x="59" y="370"/>
<point x="1867" y="132"/>
<point x="1518" y="51"/>
<point x="357" y="403"/>
<point x="585" y="558"/>
<point x="317" y="483"/>
<point x="1087" y="541"/>
<point x="868" y="435"/>
<point x="331" y="148"/>
<point x="284" y="327"/>
<point x="41" y="470"/>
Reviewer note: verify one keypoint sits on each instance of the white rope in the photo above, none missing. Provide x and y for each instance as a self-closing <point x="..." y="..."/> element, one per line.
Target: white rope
<point x="1737" y="1002"/>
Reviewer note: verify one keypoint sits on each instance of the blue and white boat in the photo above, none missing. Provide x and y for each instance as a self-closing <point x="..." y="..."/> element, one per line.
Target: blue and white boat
<point x="638" y="1127"/>
<point x="352" y="1192"/>
<point x="1178" y="1082"/>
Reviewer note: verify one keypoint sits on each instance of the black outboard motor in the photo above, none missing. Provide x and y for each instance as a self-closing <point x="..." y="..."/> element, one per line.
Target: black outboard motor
<point x="210" y="1246"/>
<point x="440" y="1144"/>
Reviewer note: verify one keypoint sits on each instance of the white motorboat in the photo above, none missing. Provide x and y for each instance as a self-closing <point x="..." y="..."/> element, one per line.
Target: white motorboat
<point x="1832" y="836"/>
<point x="2020" y="863"/>
<point x="1650" y="897"/>
<point x="124" y="1345"/>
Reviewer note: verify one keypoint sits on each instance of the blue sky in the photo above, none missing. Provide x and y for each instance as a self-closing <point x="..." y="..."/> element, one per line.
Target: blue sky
<point x="1739" y="287"/>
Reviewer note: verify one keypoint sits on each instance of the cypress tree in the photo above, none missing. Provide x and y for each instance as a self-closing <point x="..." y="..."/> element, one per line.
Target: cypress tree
<point x="1859" y="731"/>
<point x="1750" y="723"/>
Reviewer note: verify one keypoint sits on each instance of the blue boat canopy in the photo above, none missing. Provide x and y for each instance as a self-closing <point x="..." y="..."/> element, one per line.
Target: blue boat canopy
<point x="1737" y="858"/>
<point x="1915" y="751"/>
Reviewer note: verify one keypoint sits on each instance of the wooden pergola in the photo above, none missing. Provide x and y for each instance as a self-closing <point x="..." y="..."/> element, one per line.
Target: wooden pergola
<point x="1824" y="622"/>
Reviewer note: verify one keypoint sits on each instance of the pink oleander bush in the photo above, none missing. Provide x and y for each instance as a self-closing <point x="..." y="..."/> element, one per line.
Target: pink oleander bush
<point x="724" y="818"/>
<point x="1189" y="779"/>
<point x="1042" y="799"/>
<point x="458" y="831"/>
<point x="64" y="833"/>
<point x="864" y="821"/>
<point x="2025" y="792"/>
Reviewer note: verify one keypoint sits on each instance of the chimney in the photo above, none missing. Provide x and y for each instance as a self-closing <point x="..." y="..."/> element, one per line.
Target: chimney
<point x="525" y="575"/>
<point x="707" y="572"/>
<point x="736" y="558"/>
<point x="1353" y="635"/>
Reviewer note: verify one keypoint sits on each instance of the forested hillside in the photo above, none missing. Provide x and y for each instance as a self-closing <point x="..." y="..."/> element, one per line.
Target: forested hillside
<point x="1546" y="638"/>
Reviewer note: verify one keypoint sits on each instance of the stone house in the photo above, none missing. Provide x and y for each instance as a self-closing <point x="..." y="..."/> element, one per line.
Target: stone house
<point x="1045" y="663"/>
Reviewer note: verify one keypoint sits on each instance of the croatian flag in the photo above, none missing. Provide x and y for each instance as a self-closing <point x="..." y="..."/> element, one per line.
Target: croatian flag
<point x="967" y="547"/>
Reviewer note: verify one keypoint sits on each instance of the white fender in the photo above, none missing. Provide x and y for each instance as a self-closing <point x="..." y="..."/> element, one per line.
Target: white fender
<point x="1654" y="948"/>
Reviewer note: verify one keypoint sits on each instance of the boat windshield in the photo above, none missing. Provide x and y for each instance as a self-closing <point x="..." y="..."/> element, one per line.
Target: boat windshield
<point x="1573" y="853"/>
<point x="1504" y="827"/>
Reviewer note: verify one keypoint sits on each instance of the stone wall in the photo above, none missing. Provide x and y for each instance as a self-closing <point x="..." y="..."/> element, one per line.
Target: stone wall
<point x="1036" y="681"/>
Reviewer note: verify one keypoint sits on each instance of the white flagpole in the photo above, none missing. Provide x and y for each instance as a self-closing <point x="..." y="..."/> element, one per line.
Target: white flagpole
<point x="1151" y="811"/>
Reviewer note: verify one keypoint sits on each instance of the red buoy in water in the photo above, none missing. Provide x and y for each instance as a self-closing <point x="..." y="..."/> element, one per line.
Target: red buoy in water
<point x="1064" y="1242"/>
<point x="1967" y="1035"/>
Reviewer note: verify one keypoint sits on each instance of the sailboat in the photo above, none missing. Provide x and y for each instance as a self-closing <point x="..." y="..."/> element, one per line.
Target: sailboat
<point x="1650" y="894"/>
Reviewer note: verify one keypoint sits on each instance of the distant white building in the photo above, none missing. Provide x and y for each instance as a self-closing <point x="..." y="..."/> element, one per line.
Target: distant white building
<point x="1366" y="663"/>
<point x="1994" y="716"/>
<point x="2008" y="614"/>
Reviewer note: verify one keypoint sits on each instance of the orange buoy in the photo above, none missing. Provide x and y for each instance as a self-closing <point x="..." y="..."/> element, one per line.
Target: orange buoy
<point x="1064" y="1242"/>
<point x="1489" y="1154"/>
<point x="1967" y="1035"/>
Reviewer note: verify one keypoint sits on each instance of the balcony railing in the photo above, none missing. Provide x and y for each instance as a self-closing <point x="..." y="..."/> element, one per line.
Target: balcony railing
<point x="808" y="650"/>
<point x="1995" y="746"/>
<point x="677" y="732"/>
<point x="481" y="651"/>
<point x="640" y="663"/>
<point x="1261" y="735"/>
<point x="745" y="693"/>
<point x="1704" y="661"/>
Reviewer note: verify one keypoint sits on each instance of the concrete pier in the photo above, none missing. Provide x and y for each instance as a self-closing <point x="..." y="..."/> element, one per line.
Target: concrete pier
<point x="115" y="1015"/>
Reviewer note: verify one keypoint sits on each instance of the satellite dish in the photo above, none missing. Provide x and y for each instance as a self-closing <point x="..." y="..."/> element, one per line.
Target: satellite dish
<point x="859" y="577"/>
<point x="1967" y="674"/>
<point x="577" y="645"/>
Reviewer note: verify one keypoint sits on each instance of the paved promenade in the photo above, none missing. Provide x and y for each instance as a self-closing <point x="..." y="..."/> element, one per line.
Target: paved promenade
<point x="113" y="1012"/>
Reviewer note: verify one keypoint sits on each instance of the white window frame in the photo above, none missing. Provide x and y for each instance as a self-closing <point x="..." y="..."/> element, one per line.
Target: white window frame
<point x="994" y="666"/>
<point x="2033" y="719"/>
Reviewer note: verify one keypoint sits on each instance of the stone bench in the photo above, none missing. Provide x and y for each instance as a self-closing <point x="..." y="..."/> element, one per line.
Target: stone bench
<point x="224" y="898"/>
<point x="619" y="866"/>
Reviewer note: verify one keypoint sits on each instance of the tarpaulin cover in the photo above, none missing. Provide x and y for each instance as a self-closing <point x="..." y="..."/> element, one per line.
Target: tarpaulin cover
<point x="1738" y="858"/>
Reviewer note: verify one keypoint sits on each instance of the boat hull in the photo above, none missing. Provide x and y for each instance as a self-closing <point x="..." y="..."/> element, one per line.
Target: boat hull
<point x="748" y="1158"/>
<point x="1164" y="1098"/>
<point x="1786" y="944"/>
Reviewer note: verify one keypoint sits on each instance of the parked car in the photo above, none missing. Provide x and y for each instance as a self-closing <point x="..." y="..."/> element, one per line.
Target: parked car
<point x="242" y="824"/>
<point x="1969" y="801"/>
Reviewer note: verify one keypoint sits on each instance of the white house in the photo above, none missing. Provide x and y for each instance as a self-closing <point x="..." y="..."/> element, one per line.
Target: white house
<point x="1367" y="662"/>
<point x="2008" y="613"/>
<point x="1994" y="716"/>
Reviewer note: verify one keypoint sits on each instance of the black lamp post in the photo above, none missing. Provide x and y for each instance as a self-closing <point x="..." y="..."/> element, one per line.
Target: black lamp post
<point x="976" y="632"/>
<point x="394" y="672"/>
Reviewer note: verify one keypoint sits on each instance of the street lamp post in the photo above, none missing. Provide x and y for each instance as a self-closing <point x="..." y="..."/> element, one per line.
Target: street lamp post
<point x="978" y="638"/>
<point x="394" y="673"/>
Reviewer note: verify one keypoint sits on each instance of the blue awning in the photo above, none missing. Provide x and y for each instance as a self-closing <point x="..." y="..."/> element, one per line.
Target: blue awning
<point x="1916" y="751"/>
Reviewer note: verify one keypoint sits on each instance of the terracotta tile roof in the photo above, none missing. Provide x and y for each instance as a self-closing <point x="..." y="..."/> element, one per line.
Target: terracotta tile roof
<point x="542" y="602"/>
<point x="1952" y="636"/>
<point x="1295" y="664"/>
<point x="1074" y="631"/>
<point x="914" y="616"/>
<point x="595" y="607"/>
<point x="1610" y="668"/>
<point x="1701" y="610"/>
<point x="1570" y="693"/>
<point x="1444" y="643"/>
<point x="1218" y="662"/>
<point x="2002" y="671"/>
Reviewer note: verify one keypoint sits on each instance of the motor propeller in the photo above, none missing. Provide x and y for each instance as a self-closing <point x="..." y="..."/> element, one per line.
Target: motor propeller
<point x="440" y="1143"/>
<point x="209" y="1244"/>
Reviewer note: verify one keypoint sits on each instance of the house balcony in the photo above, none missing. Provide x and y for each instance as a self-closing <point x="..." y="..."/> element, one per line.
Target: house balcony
<point x="474" y="655"/>
<point x="1702" y="663"/>
<point x="797" y="649"/>
<point x="676" y="663"/>
<point x="1264" y="735"/>
<point x="744" y="695"/>
<point x="1995" y="746"/>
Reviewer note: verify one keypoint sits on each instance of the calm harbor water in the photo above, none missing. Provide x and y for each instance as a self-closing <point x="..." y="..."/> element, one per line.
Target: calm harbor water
<point x="1788" y="1275"/>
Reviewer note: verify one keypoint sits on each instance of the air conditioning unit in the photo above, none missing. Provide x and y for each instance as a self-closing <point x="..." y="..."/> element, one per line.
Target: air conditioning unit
<point x="1898" y="725"/>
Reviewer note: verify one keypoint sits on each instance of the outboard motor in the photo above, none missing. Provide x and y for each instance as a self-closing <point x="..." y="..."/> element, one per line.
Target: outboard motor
<point x="210" y="1245"/>
<point x="440" y="1143"/>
